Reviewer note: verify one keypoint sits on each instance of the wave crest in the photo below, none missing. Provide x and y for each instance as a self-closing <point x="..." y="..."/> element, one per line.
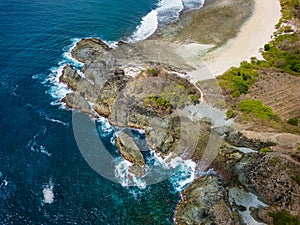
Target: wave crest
<point x="167" y="11"/>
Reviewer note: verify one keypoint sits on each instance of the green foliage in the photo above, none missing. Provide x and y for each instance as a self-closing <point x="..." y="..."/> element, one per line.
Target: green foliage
<point x="267" y="47"/>
<point x="284" y="218"/>
<point x="289" y="8"/>
<point x="265" y="150"/>
<point x="257" y="109"/>
<point x="182" y="87"/>
<point x="297" y="179"/>
<point x="152" y="71"/>
<point x="239" y="80"/>
<point x="284" y="53"/>
<point x="273" y="161"/>
<point x="230" y="114"/>
<point x="194" y="98"/>
<point x="293" y="121"/>
<point x="157" y="102"/>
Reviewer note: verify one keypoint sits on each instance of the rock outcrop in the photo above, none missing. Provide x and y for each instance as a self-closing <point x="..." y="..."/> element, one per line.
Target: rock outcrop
<point x="152" y="100"/>
<point x="204" y="203"/>
<point x="270" y="176"/>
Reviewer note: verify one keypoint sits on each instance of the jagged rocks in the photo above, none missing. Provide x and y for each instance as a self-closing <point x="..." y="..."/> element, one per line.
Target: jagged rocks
<point x="131" y="152"/>
<point x="129" y="149"/>
<point x="89" y="49"/>
<point x="204" y="204"/>
<point x="271" y="177"/>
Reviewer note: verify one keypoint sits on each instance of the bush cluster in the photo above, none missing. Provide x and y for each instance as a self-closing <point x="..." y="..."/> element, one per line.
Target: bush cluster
<point x="238" y="80"/>
<point x="257" y="109"/>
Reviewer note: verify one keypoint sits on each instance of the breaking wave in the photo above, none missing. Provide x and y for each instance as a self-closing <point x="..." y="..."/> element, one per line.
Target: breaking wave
<point x="167" y="12"/>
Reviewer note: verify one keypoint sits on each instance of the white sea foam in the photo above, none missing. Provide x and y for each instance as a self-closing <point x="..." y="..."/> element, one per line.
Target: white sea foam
<point x="57" y="89"/>
<point x="167" y="11"/>
<point x="193" y="4"/>
<point x="33" y="143"/>
<point x="106" y="127"/>
<point x="147" y="27"/>
<point x="125" y="177"/>
<point x="179" y="172"/>
<point x="48" y="195"/>
<point x="57" y="121"/>
<point x="184" y="175"/>
<point x="4" y="182"/>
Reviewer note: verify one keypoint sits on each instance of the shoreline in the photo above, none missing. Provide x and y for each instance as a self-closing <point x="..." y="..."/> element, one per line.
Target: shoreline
<point x="210" y="58"/>
<point x="254" y="34"/>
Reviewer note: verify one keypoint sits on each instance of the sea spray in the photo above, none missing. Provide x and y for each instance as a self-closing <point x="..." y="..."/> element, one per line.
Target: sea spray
<point x="48" y="194"/>
<point x="178" y="172"/>
<point x="167" y="11"/>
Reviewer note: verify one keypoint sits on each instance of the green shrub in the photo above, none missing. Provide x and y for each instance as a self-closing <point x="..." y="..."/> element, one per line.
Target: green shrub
<point x="297" y="179"/>
<point x="152" y="71"/>
<point x="284" y="53"/>
<point x="265" y="150"/>
<point x="238" y="80"/>
<point x="267" y="47"/>
<point x="293" y="121"/>
<point x="230" y="114"/>
<point x="284" y="218"/>
<point x="194" y="98"/>
<point x="257" y="109"/>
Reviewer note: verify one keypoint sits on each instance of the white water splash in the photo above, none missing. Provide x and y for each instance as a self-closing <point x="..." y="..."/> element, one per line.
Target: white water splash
<point x="57" y="121"/>
<point x="167" y="11"/>
<point x="48" y="195"/>
<point x="33" y="142"/>
<point x="179" y="172"/>
<point x="185" y="173"/>
<point x="125" y="177"/>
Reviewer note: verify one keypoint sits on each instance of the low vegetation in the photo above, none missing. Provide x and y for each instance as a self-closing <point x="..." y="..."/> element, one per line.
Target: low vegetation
<point x="257" y="109"/>
<point x="297" y="179"/>
<point x="174" y="92"/>
<point x="230" y="114"/>
<point x="238" y="80"/>
<point x="293" y="121"/>
<point x="282" y="55"/>
<point x="284" y="218"/>
<point x="288" y="10"/>
<point x="265" y="150"/>
<point x="158" y="103"/>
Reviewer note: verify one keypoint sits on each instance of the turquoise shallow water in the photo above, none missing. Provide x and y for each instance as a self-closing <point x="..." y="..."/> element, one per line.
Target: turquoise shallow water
<point x="38" y="152"/>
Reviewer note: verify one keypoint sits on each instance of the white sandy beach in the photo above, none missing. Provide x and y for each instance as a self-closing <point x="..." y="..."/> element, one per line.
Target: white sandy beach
<point x="255" y="33"/>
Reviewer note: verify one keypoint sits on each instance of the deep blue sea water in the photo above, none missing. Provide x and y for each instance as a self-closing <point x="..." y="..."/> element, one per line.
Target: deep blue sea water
<point x="38" y="152"/>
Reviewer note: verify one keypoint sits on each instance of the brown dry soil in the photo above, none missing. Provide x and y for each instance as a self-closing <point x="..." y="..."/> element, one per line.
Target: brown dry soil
<point x="280" y="91"/>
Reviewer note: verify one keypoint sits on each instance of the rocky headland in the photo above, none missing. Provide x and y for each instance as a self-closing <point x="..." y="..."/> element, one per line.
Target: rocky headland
<point x="150" y="85"/>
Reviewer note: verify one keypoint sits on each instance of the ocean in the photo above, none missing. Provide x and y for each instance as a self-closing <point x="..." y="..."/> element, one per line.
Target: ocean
<point x="44" y="179"/>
